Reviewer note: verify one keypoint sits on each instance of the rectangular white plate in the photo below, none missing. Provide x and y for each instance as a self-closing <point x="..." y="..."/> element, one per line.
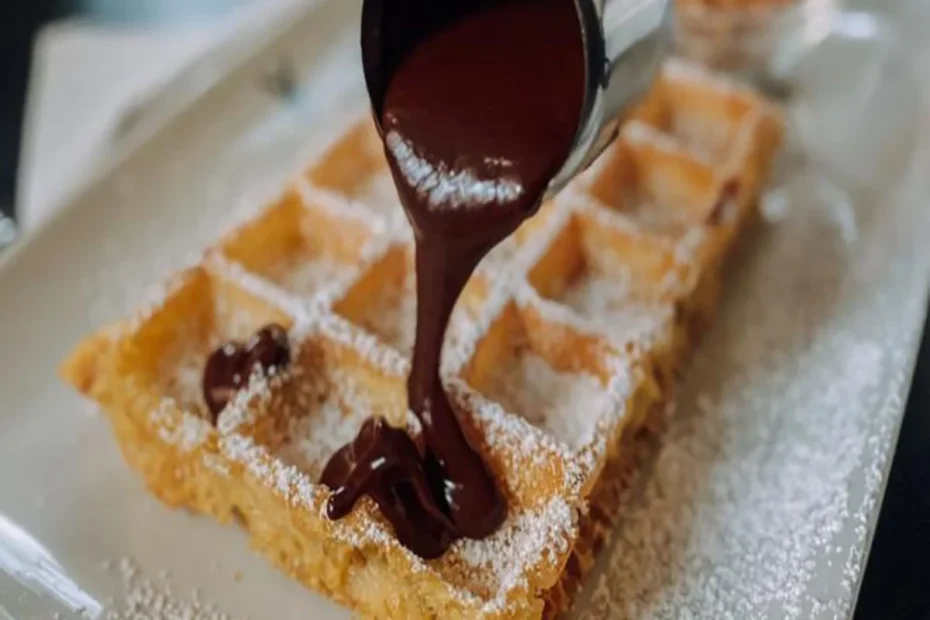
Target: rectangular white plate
<point x="761" y="503"/>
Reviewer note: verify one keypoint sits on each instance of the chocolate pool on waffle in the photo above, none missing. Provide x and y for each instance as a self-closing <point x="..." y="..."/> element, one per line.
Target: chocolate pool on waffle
<point x="563" y="345"/>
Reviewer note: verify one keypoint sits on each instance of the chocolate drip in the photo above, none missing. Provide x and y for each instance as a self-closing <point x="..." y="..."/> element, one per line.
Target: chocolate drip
<point x="383" y="462"/>
<point x="229" y="367"/>
<point x="476" y="122"/>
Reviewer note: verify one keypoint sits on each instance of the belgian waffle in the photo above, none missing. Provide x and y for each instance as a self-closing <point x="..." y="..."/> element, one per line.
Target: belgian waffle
<point x="559" y="355"/>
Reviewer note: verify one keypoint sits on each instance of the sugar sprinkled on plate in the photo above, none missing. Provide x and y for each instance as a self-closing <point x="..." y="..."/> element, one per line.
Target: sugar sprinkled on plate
<point x="755" y="494"/>
<point x="145" y="598"/>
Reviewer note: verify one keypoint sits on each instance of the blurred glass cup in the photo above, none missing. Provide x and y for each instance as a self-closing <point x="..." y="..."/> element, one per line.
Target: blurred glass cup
<point x="848" y="79"/>
<point x="856" y="101"/>
<point x="760" y="40"/>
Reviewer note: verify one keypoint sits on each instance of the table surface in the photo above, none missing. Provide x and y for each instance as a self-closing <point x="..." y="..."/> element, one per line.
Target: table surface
<point x="85" y="75"/>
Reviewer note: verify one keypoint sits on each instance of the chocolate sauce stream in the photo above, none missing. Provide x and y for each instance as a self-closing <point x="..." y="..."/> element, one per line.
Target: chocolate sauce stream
<point x="476" y="121"/>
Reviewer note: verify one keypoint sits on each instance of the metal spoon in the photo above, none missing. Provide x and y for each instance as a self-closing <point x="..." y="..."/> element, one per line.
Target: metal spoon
<point x="625" y="42"/>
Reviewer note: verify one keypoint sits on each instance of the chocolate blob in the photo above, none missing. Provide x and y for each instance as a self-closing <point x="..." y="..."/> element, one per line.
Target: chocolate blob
<point x="229" y="367"/>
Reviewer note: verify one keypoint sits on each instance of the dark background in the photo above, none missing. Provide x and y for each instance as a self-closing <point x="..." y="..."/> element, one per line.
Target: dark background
<point x="897" y="579"/>
<point x="19" y="21"/>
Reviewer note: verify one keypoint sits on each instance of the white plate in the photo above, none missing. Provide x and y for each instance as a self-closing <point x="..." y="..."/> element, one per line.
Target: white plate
<point x="761" y="504"/>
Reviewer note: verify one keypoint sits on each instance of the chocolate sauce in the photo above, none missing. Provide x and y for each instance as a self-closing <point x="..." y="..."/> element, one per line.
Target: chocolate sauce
<point x="383" y="462"/>
<point x="476" y="121"/>
<point x="229" y="367"/>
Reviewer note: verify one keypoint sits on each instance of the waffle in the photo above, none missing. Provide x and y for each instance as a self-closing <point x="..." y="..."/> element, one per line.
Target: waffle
<point x="559" y="356"/>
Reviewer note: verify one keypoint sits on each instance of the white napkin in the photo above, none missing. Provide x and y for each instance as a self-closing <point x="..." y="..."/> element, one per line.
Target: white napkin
<point x="85" y="76"/>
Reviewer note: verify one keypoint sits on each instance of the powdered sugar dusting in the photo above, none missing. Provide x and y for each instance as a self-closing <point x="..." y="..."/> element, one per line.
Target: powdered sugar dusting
<point x="523" y="540"/>
<point x="393" y="314"/>
<point x="185" y="379"/>
<point x="368" y="346"/>
<point x="638" y="132"/>
<point x="610" y="308"/>
<point x="313" y="438"/>
<point x="306" y="277"/>
<point x="378" y="193"/>
<point x="512" y="434"/>
<point x="567" y="405"/>
<point x="771" y="470"/>
<point x="680" y="70"/>
<point x="500" y="257"/>
<point x="179" y="427"/>
<point x="146" y="598"/>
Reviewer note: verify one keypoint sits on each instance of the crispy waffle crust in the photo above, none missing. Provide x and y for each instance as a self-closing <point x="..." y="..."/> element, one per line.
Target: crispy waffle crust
<point x="560" y="356"/>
